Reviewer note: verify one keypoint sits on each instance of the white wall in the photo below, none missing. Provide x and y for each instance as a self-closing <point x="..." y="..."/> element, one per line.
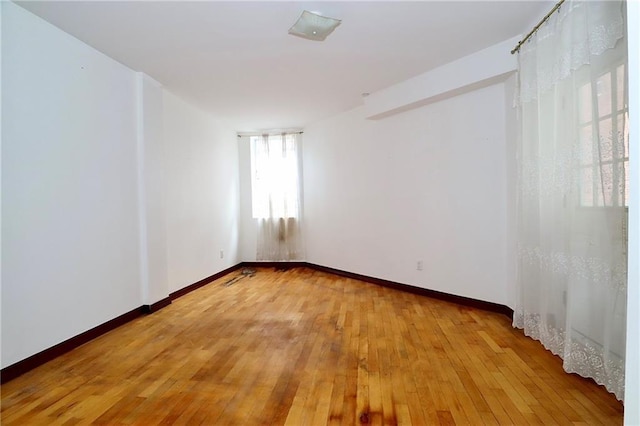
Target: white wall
<point x="1" y="133"/>
<point x="114" y="191"/>
<point x="425" y="185"/>
<point x="248" y="225"/>
<point x="511" y="131"/>
<point x="69" y="197"/>
<point x="151" y="191"/>
<point x="202" y="193"/>
<point x="479" y="69"/>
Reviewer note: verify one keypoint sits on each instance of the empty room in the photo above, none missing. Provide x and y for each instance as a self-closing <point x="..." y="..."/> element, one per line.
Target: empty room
<point x="309" y="213"/>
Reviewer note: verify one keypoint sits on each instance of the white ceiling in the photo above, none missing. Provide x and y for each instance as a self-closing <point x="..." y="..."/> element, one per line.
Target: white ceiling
<point x="235" y="59"/>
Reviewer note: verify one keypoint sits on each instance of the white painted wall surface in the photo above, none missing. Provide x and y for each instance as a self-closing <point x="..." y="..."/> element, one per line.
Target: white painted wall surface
<point x="426" y="185"/>
<point x="248" y="225"/>
<point x="472" y="72"/>
<point x="202" y="193"/>
<point x="1" y="133"/>
<point x="511" y="131"/>
<point x="69" y="196"/>
<point x="151" y="190"/>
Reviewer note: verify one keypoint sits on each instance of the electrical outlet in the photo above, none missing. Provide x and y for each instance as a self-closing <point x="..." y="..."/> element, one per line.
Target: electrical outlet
<point x="221" y="254"/>
<point x="419" y="265"/>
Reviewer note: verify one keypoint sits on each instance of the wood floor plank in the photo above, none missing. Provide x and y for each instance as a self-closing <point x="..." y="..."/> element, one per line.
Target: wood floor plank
<point x="299" y="346"/>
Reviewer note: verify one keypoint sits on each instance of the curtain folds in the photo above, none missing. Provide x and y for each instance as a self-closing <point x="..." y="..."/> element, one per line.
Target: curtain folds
<point x="276" y="197"/>
<point x="573" y="189"/>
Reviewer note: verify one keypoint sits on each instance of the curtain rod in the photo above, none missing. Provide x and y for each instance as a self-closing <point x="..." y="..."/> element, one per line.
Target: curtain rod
<point x="242" y="134"/>
<point x="533" y="31"/>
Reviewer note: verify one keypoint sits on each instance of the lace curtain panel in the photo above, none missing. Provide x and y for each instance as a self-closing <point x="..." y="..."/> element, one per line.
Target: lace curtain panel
<point x="573" y="156"/>
<point x="276" y="196"/>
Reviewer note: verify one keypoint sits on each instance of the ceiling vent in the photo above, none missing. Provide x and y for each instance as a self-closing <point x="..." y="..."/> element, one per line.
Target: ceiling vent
<point x="313" y="26"/>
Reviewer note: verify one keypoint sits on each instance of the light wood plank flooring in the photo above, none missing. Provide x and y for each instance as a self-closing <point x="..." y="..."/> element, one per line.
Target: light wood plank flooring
<point x="302" y="347"/>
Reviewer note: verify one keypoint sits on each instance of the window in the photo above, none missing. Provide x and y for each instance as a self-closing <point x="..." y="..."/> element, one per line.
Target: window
<point x="275" y="176"/>
<point x="604" y="141"/>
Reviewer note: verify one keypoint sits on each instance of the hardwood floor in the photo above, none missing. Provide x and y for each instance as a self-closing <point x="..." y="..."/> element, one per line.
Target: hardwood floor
<point x="304" y="347"/>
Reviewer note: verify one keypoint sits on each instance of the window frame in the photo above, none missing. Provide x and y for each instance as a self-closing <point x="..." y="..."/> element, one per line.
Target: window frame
<point x="619" y="125"/>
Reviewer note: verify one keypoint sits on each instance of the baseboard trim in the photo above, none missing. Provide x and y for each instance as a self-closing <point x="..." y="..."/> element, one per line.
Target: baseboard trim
<point x="154" y="307"/>
<point x="36" y="360"/>
<point x="281" y="266"/>
<point x="21" y="367"/>
<point x="434" y="294"/>
<point x="202" y="282"/>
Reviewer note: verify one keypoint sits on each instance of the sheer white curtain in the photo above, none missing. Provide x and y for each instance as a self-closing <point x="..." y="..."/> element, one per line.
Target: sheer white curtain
<point x="573" y="189"/>
<point x="276" y="196"/>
